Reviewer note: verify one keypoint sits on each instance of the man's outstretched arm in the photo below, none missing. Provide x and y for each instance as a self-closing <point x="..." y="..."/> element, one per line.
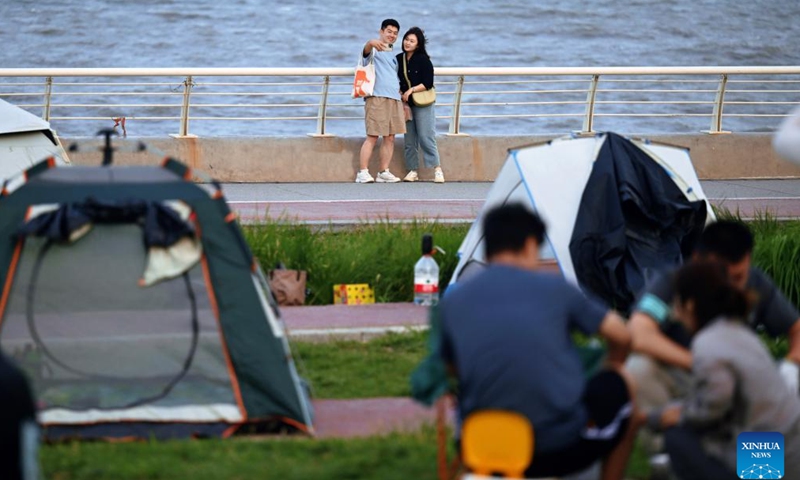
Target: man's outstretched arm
<point x="618" y="336"/>
<point x="648" y="339"/>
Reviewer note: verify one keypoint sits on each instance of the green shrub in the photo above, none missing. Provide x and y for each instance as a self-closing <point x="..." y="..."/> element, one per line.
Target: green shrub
<point x="381" y="254"/>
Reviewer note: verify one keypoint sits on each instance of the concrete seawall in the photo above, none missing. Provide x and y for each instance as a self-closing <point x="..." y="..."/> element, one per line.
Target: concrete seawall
<point x="464" y="158"/>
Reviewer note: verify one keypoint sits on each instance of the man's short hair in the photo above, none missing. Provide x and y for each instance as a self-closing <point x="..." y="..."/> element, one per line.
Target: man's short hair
<point x="729" y="240"/>
<point x="390" y="22"/>
<point x="507" y="227"/>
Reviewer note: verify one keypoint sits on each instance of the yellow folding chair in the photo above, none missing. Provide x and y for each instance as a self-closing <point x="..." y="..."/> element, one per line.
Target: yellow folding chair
<point x="497" y="442"/>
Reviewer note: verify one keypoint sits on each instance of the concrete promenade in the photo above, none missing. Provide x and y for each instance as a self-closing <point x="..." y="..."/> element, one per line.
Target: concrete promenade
<point x="350" y="203"/>
<point x="464" y="158"/>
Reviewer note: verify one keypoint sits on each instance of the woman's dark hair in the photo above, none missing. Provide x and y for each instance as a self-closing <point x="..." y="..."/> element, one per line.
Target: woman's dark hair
<point x="421" y="40"/>
<point x="707" y="284"/>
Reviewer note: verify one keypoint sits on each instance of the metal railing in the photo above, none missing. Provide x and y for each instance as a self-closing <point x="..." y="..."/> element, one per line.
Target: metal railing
<point x="158" y="101"/>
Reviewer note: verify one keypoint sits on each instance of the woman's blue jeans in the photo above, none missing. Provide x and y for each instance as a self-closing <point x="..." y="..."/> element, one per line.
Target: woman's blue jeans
<point x="421" y="135"/>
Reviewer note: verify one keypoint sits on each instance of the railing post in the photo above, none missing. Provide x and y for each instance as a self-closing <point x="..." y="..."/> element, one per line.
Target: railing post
<point x="188" y="83"/>
<point x="588" y="118"/>
<point x="455" y="118"/>
<point x="323" y="110"/>
<point x="48" y="93"/>
<point x="719" y="102"/>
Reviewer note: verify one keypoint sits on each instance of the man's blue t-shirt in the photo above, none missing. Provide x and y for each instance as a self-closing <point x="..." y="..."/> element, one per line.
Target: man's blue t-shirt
<point x="386" y="81"/>
<point x="507" y="333"/>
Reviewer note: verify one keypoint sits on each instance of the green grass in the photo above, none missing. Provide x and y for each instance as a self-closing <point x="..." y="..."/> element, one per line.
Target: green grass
<point x="351" y="369"/>
<point x="394" y="456"/>
<point x="343" y="369"/>
<point x="381" y="254"/>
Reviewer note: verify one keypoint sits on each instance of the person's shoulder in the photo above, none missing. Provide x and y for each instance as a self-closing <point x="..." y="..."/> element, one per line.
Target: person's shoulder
<point x="551" y="279"/>
<point x="663" y="276"/>
<point x="760" y="281"/>
<point x="724" y="332"/>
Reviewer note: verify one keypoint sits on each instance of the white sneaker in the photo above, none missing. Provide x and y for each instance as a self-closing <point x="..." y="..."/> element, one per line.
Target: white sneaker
<point x="660" y="467"/>
<point x="411" y="176"/>
<point x="386" y="177"/>
<point x="363" y="176"/>
<point x="438" y="176"/>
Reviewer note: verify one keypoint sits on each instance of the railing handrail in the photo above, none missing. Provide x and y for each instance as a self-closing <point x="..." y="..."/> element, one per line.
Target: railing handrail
<point x="440" y="71"/>
<point x="463" y="79"/>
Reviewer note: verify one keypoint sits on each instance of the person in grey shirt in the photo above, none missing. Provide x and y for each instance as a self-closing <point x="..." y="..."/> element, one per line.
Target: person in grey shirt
<point x="734" y="388"/>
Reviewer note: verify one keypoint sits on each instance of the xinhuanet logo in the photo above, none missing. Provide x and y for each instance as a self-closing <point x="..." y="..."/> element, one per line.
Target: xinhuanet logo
<point x="760" y="455"/>
<point x="761" y="449"/>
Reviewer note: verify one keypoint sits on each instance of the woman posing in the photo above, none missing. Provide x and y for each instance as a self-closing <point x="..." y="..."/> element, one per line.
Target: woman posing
<point x="415" y="71"/>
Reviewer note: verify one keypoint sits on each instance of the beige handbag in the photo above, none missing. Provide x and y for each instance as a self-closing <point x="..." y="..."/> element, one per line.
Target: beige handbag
<point x="421" y="99"/>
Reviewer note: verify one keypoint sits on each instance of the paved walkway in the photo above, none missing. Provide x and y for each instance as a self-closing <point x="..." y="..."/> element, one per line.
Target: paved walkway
<point x="371" y="416"/>
<point x="346" y="203"/>
<point x="352" y="321"/>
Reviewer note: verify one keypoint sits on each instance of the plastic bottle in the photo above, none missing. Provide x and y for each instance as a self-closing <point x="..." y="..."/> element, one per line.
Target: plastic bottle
<point x="426" y="275"/>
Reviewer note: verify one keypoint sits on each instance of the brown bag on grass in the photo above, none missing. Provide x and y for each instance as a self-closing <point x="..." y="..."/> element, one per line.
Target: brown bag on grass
<point x="288" y="286"/>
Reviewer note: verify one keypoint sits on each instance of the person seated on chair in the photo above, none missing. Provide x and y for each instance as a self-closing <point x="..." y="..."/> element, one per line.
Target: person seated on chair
<point x="507" y="339"/>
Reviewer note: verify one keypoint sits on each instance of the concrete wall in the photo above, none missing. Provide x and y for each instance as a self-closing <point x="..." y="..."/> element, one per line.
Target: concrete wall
<point x="464" y="158"/>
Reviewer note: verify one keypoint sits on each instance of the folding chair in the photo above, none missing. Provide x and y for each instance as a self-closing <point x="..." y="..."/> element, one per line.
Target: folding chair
<point x="496" y="442"/>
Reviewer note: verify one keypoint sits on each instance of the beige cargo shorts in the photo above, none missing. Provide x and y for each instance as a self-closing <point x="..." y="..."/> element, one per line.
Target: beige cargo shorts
<point x="384" y="116"/>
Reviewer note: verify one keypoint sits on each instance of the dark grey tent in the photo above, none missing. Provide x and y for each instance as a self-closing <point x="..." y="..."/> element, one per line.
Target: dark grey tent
<point x="133" y="303"/>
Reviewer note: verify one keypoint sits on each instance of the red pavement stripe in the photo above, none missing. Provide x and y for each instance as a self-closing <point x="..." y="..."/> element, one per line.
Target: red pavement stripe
<point x="354" y="316"/>
<point x="364" y="417"/>
<point x="349" y="211"/>
<point x="780" y="207"/>
<point x="337" y="211"/>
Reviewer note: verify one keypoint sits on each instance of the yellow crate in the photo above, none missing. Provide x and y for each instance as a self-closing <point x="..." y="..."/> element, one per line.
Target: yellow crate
<point x="353" y="294"/>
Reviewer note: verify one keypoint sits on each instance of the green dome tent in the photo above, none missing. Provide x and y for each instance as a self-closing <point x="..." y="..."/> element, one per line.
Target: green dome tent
<point x="132" y="301"/>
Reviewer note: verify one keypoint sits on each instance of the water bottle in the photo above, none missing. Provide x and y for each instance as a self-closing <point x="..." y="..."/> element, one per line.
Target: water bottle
<point x="426" y="275"/>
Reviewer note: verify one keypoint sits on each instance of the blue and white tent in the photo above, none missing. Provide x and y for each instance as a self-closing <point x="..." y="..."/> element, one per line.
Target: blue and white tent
<point x="584" y="188"/>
